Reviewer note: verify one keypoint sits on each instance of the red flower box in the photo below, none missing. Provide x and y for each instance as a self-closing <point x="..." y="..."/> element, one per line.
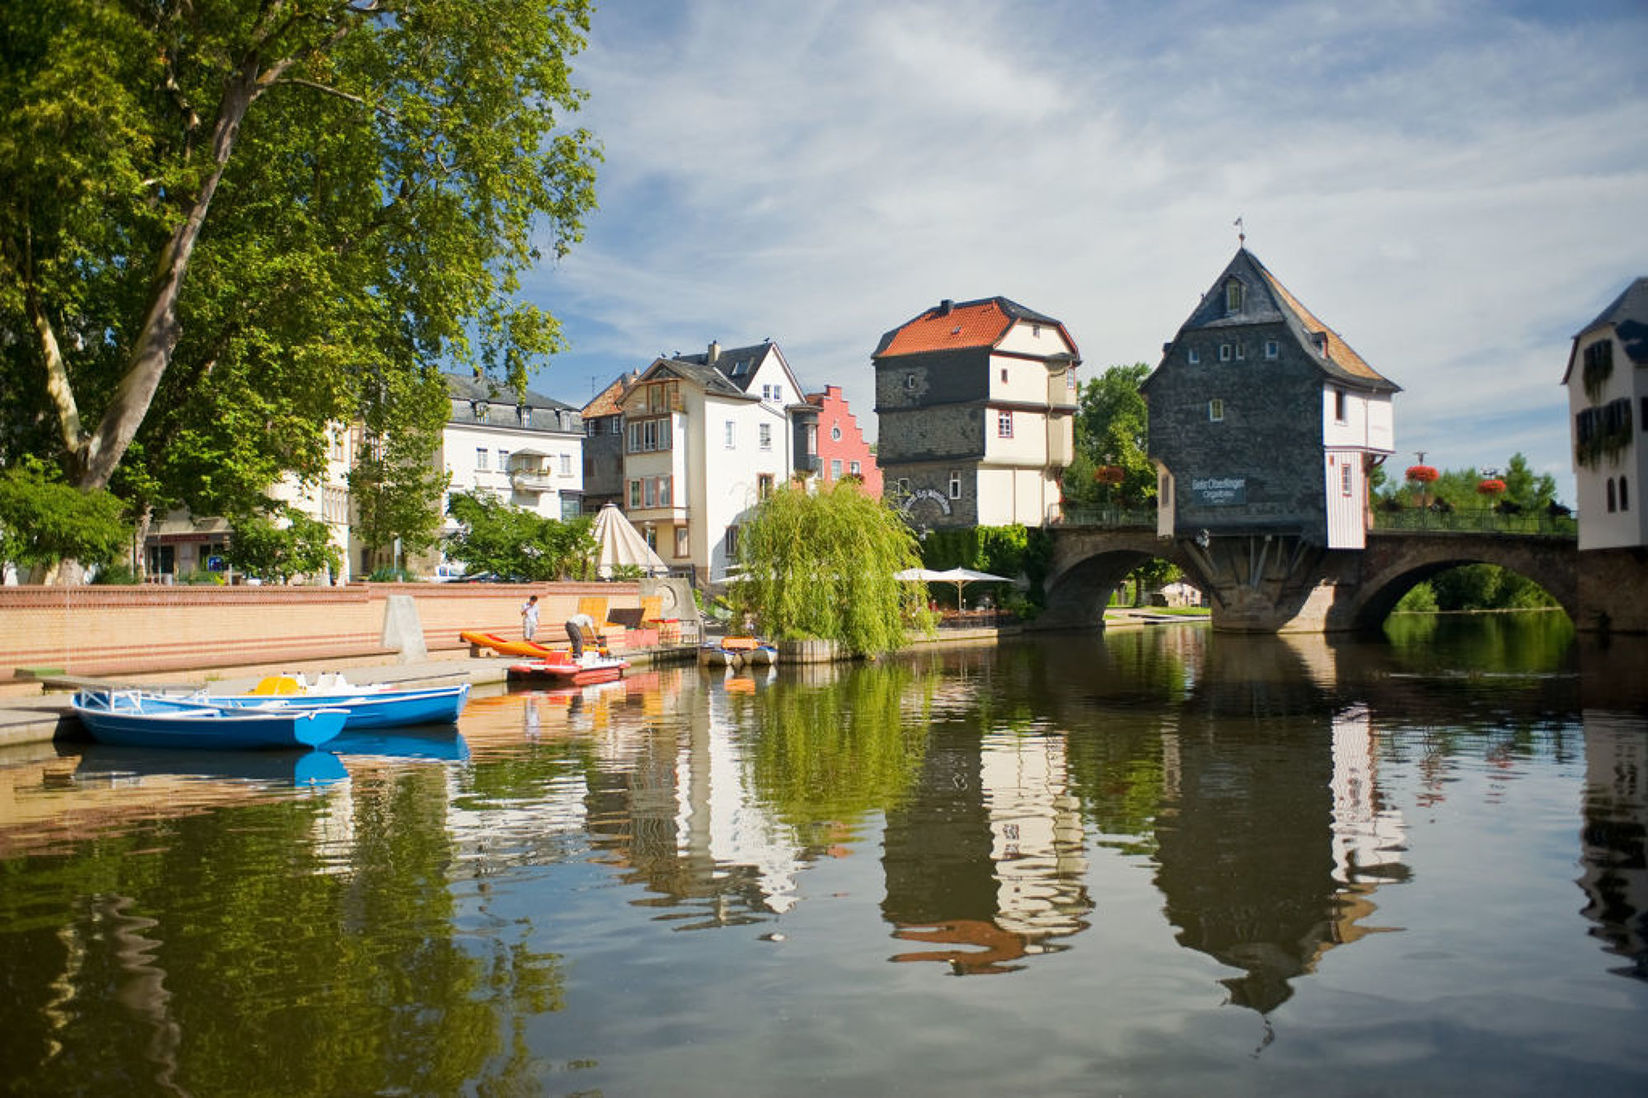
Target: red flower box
<point x="1109" y="474"/>
<point x="1422" y="473"/>
<point x="1491" y="487"/>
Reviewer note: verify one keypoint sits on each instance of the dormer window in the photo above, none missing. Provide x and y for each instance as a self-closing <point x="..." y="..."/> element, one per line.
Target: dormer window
<point x="1234" y="293"/>
<point x="741" y="367"/>
<point x="480" y="409"/>
<point x="525" y="414"/>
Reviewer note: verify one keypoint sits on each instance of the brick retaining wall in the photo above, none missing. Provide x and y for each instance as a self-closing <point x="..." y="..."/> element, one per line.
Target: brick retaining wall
<point x="99" y="630"/>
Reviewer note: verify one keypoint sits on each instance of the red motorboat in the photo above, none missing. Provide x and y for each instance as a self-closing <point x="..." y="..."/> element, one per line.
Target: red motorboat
<point x="571" y="672"/>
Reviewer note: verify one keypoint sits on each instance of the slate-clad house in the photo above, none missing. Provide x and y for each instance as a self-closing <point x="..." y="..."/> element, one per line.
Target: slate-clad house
<point x="1607" y="380"/>
<point x="1263" y="419"/>
<point x="977" y="403"/>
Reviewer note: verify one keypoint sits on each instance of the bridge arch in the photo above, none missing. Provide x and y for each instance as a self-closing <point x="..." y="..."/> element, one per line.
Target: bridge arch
<point x="1395" y="562"/>
<point x="1088" y="565"/>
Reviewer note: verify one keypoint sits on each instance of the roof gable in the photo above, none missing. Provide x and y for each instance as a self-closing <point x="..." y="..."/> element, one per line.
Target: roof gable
<point x="1263" y="299"/>
<point x="459" y="387"/>
<point x="965" y="325"/>
<point x="1627" y="314"/>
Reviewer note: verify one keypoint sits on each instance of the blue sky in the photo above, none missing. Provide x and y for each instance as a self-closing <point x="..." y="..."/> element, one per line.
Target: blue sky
<point x="1455" y="186"/>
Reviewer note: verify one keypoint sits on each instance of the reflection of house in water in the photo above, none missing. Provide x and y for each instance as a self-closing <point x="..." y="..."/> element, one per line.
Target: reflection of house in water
<point x="1273" y="832"/>
<point x="987" y="855"/>
<point x="1614" y="843"/>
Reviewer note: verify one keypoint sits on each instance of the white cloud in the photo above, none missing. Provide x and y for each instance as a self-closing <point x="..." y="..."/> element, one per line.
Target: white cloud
<point x="1455" y="189"/>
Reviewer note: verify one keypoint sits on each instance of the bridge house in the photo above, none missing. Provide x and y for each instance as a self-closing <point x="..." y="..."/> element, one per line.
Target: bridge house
<point x="1263" y="420"/>
<point x="976" y="403"/>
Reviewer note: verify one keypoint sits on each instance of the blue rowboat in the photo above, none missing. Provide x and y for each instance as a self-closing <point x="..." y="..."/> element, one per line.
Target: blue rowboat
<point x="367" y="707"/>
<point x="133" y="718"/>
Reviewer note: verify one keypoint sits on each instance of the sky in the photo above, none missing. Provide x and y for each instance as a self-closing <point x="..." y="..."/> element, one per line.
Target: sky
<point x="1455" y="186"/>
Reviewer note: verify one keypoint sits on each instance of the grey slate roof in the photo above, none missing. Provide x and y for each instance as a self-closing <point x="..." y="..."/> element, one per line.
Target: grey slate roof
<point x="1267" y="301"/>
<point x="460" y="387"/>
<point x="1628" y="315"/>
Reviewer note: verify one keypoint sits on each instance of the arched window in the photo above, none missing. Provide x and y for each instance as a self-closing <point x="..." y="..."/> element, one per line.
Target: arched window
<point x="1611" y="507"/>
<point x="1624" y="495"/>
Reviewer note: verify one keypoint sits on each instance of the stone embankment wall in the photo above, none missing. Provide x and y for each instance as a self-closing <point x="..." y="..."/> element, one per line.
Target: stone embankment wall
<point x="123" y="630"/>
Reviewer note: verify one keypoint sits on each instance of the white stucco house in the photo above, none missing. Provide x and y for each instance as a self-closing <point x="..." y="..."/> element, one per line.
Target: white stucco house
<point x="706" y="437"/>
<point x="1607" y="381"/>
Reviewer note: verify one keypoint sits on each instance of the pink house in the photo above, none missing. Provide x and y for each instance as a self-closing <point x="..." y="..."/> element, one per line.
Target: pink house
<point x="832" y="443"/>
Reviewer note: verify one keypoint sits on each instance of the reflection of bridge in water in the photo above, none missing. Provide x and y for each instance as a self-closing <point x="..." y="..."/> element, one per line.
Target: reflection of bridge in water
<point x="1268" y="582"/>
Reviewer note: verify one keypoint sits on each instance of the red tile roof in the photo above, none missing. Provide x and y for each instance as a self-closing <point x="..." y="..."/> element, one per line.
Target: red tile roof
<point x="972" y="324"/>
<point x="1339" y="351"/>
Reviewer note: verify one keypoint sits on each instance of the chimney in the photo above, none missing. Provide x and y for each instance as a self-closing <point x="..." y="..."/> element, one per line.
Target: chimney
<point x="714" y="352"/>
<point x="945" y="306"/>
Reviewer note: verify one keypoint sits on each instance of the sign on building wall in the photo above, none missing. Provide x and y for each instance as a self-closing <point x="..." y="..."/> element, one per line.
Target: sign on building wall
<point x="1219" y="491"/>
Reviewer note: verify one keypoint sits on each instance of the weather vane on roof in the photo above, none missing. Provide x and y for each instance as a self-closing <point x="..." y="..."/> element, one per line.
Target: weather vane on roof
<point x="1241" y="233"/>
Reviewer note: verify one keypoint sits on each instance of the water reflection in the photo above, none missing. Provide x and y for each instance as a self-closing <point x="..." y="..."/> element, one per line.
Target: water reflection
<point x="1615" y="837"/>
<point x="474" y="910"/>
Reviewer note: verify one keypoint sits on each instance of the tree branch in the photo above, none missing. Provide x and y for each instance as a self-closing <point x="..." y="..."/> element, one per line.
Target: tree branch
<point x="338" y="92"/>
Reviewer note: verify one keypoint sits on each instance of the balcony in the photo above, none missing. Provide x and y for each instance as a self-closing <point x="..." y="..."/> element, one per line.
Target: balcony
<point x="532" y="480"/>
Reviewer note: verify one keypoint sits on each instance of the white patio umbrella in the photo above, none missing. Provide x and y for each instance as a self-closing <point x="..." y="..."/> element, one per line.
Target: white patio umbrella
<point x="961" y="577"/>
<point x="619" y="544"/>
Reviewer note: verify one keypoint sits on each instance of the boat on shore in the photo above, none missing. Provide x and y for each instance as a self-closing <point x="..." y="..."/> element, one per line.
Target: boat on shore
<point x="134" y="718"/>
<point x="736" y="652"/>
<point x="571" y="672"/>
<point x="368" y="706"/>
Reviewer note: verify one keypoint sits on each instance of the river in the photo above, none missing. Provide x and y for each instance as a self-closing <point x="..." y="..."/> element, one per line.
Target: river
<point x="1154" y="862"/>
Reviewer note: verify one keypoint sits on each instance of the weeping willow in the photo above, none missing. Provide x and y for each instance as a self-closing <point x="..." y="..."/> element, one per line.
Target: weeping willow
<point x="821" y="565"/>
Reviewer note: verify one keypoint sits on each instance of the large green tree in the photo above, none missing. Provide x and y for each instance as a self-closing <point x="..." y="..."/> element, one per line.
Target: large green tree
<point x="822" y="564"/>
<point x="223" y="224"/>
<point x="516" y="544"/>
<point x="1113" y="429"/>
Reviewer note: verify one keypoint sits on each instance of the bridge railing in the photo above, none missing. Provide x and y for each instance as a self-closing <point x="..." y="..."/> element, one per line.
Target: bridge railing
<point x="1480" y="521"/>
<point x="1110" y="517"/>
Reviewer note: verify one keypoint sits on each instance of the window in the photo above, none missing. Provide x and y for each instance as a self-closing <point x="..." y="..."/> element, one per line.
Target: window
<point x="1341" y="411"/>
<point x="651" y="535"/>
<point x="1345" y="478"/>
<point x="682" y="547"/>
<point x="1234" y="292"/>
<point x="503" y="460"/>
<point x="763" y="485"/>
<point x="909" y="381"/>
<point x="812" y="438"/>
<point x="732" y="434"/>
<point x="566" y="465"/>
<point x="1004" y="375"/>
<point x="592" y="427"/>
<point x="524" y="414"/>
<point x="649" y="491"/>
<point x="903" y="486"/>
<point x="666" y="491"/>
<point x="772" y="392"/>
<point x="1612" y="502"/>
<point x="855" y="469"/>
<point x="634" y="495"/>
<point x="955" y="483"/>
<point x="481" y="411"/>
<point x="1216" y="410"/>
<point x="741" y="367"/>
<point x="1241" y="352"/>
<point x="1273" y="349"/>
<point x="835" y="432"/>
<point x="480" y="457"/>
<point x="1224" y="352"/>
<point x="617" y="425"/>
<point x="1193" y="356"/>
<point x="766" y="436"/>
<point x="1004" y="424"/>
<point x="835" y="468"/>
<point x="1035" y="333"/>
<point x="730" y="542"/>
<point x="1624" y="495"/>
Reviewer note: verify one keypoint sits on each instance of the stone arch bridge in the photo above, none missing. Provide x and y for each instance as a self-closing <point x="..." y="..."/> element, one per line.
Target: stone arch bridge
<point x="1273" y="583"/>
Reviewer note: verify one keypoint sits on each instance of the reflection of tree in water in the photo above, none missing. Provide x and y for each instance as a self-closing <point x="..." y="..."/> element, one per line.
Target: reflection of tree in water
<point x="1615" y="836"/>
<point x="391" y="1001"/>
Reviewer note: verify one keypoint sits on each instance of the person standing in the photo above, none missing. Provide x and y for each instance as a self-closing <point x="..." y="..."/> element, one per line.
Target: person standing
<point x="529" y="618"/>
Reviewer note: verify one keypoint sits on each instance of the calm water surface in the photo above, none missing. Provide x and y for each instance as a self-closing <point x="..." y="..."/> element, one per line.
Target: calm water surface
<point x="1152" y="863"/>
